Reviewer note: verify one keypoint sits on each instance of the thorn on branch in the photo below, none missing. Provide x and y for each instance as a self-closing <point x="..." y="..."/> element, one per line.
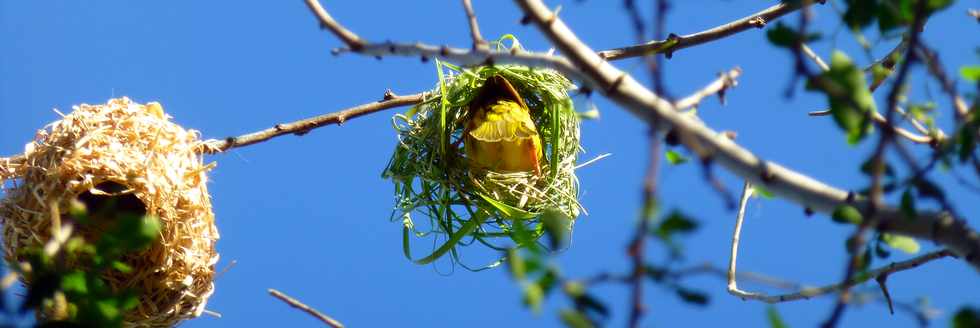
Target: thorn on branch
<point x="525" y="20"/>
<point x="884" y="290"/>
<point x="807" y="211"/>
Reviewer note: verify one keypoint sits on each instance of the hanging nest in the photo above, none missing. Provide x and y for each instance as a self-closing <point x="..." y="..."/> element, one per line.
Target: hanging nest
<point x="122" y="149"/>
<point x="437" y="175"/>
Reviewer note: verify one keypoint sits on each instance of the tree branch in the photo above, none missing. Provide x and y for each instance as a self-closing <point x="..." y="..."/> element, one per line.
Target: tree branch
<point x="303" y="126"/>
<point x="719" y="86"/>
<point x="478" y="42"/>
<point x="674" y="42"/>
<point x="940" y="227"/>
<point x="305" y="308"/>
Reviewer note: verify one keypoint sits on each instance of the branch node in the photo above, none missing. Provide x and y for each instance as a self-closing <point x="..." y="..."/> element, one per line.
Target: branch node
<point x="615" y="85"/>
<point x="757" y="22"/>
<point x="388" y="95"/>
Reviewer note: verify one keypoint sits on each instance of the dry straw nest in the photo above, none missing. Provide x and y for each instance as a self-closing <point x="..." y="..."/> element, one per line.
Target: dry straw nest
<point x="461" y="205"/>
<point x="134" y="146"/>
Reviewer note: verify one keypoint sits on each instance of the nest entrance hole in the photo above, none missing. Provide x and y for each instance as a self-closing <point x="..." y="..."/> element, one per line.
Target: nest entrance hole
<point x="114" y="203"/>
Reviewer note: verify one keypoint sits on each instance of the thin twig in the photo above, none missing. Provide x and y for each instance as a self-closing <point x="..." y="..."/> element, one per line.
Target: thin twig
<point x="747" y="191"/>
<point x="479" y="43"/>
<point x="637" y="247"/>
<point x="303" y="126"/>
<point x="305" y="308"/>
<point x="807" y="293"/>
<point x="718" y="86"/>
<point x="814" y="57"/>
<point x="674" y="43"/>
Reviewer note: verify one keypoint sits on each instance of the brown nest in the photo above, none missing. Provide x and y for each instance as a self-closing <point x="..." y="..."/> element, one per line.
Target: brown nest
<point x="136" y="148"/>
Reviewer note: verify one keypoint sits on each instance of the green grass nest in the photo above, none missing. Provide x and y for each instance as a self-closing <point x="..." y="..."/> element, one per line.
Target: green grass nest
<point x="465" y="206"/>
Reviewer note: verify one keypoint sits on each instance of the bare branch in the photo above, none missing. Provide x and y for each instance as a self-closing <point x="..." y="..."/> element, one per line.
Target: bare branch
<point x="305" y="125"/>
<point x="719" y="86"/>
<point x="326" y="21"/>
<point x="674" y="43"/>
<point x="478" y="42"/>
<point x="306" y="308"/>
<point x="807" y="293"/>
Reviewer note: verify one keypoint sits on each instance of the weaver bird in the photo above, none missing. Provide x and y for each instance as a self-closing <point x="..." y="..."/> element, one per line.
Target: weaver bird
<point x="500" y="135"/>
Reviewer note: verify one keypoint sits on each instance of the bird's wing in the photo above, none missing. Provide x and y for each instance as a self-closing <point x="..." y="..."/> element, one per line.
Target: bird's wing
<point x="506" y="121"/>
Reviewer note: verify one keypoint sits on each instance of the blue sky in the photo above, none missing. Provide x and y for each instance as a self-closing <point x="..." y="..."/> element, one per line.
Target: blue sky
<point x="309" y="215"/>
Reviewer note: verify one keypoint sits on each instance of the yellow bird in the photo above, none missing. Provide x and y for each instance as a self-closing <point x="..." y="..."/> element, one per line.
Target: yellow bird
<point x="500" y="135"/>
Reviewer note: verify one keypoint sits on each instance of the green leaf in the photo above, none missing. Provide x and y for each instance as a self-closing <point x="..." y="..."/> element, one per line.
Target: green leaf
<point x="508" y="211"/>
<point x="908" y="205"/>
<point x="122" y="267"/>
<point x="518" y="268"/>
<point x="850" y="100"/>
<point x="693" y="296"/>
<point x="547" y="280"/>
<point x="970" y="73"/>
<point x="74" y="283"/>
<point x="108" y="309"/>
<point x="786" y="37"/>
<point x="966" y="317"/>
<point x="675" y="158"/>
<point x="903" y="243"/>
<point x="847" y="214"/>
<point x="762" y="192"/>
<point x="574" y="319"/>
<point x="557" y="227"/>
<point x="574" y="289"/>
<point x="879" y="73"/>
<point x="676" y="222"/>
<point x="894" y="13"/>
<point x="775" y="320"/>
<point x="533" y="295"/>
